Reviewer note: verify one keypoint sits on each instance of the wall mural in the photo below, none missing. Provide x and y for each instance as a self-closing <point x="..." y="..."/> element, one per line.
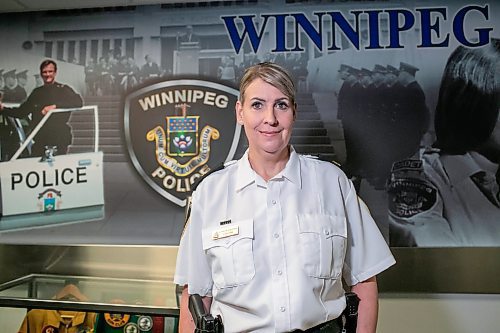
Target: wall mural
<point x="156" y="87"/>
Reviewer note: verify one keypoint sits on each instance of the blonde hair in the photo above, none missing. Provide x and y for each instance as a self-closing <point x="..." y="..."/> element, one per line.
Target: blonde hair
<point x="270" y="73"/>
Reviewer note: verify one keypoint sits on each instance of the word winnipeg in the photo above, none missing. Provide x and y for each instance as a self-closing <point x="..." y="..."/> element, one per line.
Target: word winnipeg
<point x="431" y="25"/>
<point x="183" y="96"/>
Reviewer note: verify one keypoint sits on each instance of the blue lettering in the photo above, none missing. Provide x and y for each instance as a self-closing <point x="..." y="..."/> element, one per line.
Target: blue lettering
<point x="280" y="34"/>
<point x="458" y="26"/>
<point x="350" y="32"/>
<point x="427" y="27"/>
<point x="314" y="35"/>
<point x="395" y="28"/>
<point x="249" y="30"/>
<point x="373" y="23"/>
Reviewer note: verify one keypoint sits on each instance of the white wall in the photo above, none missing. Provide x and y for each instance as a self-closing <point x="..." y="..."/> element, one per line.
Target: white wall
<point x="439" y="313"/>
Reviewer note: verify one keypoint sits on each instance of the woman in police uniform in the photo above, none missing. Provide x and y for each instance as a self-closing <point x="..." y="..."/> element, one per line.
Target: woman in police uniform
<point x="450" y="196"/>
<point x="271" y="237"/>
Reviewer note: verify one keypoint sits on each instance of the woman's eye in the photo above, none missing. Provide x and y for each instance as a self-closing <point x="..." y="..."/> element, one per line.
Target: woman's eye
<point x="257" y="105"/>
<point x="282" y="105"/>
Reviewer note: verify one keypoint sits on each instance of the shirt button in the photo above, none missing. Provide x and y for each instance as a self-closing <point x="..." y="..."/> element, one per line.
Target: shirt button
<point x="274" y="202"/>
<point x="279" y="272"/>
<point x="276" y="236"/>
<point x="327" y="232"/>
<point x="282" y="309"/>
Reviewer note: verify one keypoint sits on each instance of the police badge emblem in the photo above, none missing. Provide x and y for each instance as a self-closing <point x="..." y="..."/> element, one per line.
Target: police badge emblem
<point x="49" y="200"/>
<point x="178" y="130"/>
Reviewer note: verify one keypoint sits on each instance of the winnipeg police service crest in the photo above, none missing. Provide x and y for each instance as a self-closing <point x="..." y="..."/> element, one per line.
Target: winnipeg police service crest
<point x="178" y="130"/>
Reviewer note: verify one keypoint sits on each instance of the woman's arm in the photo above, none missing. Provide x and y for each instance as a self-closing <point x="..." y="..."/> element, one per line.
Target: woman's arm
<point x="367" y="292"/>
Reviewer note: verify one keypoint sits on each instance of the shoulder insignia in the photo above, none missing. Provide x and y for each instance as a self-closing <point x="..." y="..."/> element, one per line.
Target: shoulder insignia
<point x="409" y="190"/>
<point x="409" y="164"/>
<point x="218" y="168"/>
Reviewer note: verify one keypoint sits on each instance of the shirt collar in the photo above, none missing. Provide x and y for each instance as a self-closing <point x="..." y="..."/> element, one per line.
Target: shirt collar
<point x="54" y="317"/>
<point x="247" y="176"/>
<point x="459" y="167"/>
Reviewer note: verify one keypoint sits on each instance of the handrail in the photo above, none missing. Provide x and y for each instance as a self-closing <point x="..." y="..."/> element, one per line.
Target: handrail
<point x="47" y="116"/>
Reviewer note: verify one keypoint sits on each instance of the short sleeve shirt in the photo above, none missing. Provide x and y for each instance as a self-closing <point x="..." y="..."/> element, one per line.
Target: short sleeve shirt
<point x="273" y="254"/>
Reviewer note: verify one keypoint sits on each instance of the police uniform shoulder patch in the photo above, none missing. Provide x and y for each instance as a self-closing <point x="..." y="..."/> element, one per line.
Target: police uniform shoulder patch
<point x="409" y="190"/>
<point x="218" y="168"/>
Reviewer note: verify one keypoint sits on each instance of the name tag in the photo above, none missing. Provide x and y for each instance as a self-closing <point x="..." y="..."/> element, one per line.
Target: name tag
<point x="224" y="232"/>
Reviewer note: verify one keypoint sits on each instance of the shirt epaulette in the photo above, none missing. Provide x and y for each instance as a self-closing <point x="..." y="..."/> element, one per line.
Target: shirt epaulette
<point x="321" y="158"/>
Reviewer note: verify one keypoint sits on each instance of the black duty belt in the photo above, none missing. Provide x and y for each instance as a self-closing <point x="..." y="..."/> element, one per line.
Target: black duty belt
<point x="332" y="326"/>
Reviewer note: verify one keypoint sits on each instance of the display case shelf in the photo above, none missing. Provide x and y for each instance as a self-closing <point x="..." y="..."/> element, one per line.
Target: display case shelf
<point x="91" y="294"/>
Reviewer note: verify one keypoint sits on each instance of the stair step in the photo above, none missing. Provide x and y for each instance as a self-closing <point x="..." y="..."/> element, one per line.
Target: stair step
<point x="103" y="141"/>
<point x="308" y="123"/>
<point x="309" y="132"/>
<point x="105" y="149"/>
<point x="314" y="149"/>
<point x="310" y="140"/>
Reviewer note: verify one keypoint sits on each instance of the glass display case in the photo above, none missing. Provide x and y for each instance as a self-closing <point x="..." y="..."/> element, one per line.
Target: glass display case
<point x="125" y="305"/>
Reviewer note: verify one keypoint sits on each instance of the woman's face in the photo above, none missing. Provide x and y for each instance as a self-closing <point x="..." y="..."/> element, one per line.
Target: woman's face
<point x="267" y="116"/>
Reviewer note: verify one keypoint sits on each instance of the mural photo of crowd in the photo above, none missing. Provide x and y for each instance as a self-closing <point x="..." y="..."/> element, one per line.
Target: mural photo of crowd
<point x="117" y="73"/>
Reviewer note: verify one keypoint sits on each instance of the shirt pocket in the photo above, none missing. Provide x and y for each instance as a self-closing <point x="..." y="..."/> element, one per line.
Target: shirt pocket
<point x="323" y="241"/>
<point x="231" y="258"/>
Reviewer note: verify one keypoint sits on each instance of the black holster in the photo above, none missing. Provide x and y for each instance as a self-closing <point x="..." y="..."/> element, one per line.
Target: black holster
<point x="350" y="314"/>
<point x="204" y="321"/>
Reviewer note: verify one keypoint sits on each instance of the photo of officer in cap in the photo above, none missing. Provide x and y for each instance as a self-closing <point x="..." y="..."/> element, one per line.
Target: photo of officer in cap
<point x="350" y="115"/>
<point x="13" y="93"/>
<point x="56" y="131"/>
<point x="411" y="115"/>
<point x="22" y="80"/>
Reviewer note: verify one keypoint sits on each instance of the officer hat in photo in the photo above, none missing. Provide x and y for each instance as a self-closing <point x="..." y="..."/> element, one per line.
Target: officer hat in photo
<point x="392" y="69"/>
<point x="11" y="73"/>
<point x="22" y="75"/>
<point x="354" y="71"/>
<point x="379" y="69"/>
<point x="403" y="66"/>
<point x="344" y="68"/>
<point x="365" y="71"/>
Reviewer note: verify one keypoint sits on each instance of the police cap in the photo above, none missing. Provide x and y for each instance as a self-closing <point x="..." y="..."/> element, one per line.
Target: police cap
<point x="365" y="71"/>
<point x="11" y="73"/>
<point x="22" y="75"/>
<point x="403" y="66"/>
<point x="379" y="69"/>
<point x="344" y="68"/>
<point x="392" y="69"/>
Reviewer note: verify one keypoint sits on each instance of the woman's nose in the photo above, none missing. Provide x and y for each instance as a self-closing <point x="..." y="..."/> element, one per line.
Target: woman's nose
<point x="270" y="116"/>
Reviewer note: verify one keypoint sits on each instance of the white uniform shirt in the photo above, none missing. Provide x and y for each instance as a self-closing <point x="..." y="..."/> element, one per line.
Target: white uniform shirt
<point x="272" y="254"/>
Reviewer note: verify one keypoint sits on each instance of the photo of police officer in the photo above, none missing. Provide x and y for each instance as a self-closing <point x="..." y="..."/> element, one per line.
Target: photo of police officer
<point x="52" y="94"/>
<point x="449" y="194"/>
